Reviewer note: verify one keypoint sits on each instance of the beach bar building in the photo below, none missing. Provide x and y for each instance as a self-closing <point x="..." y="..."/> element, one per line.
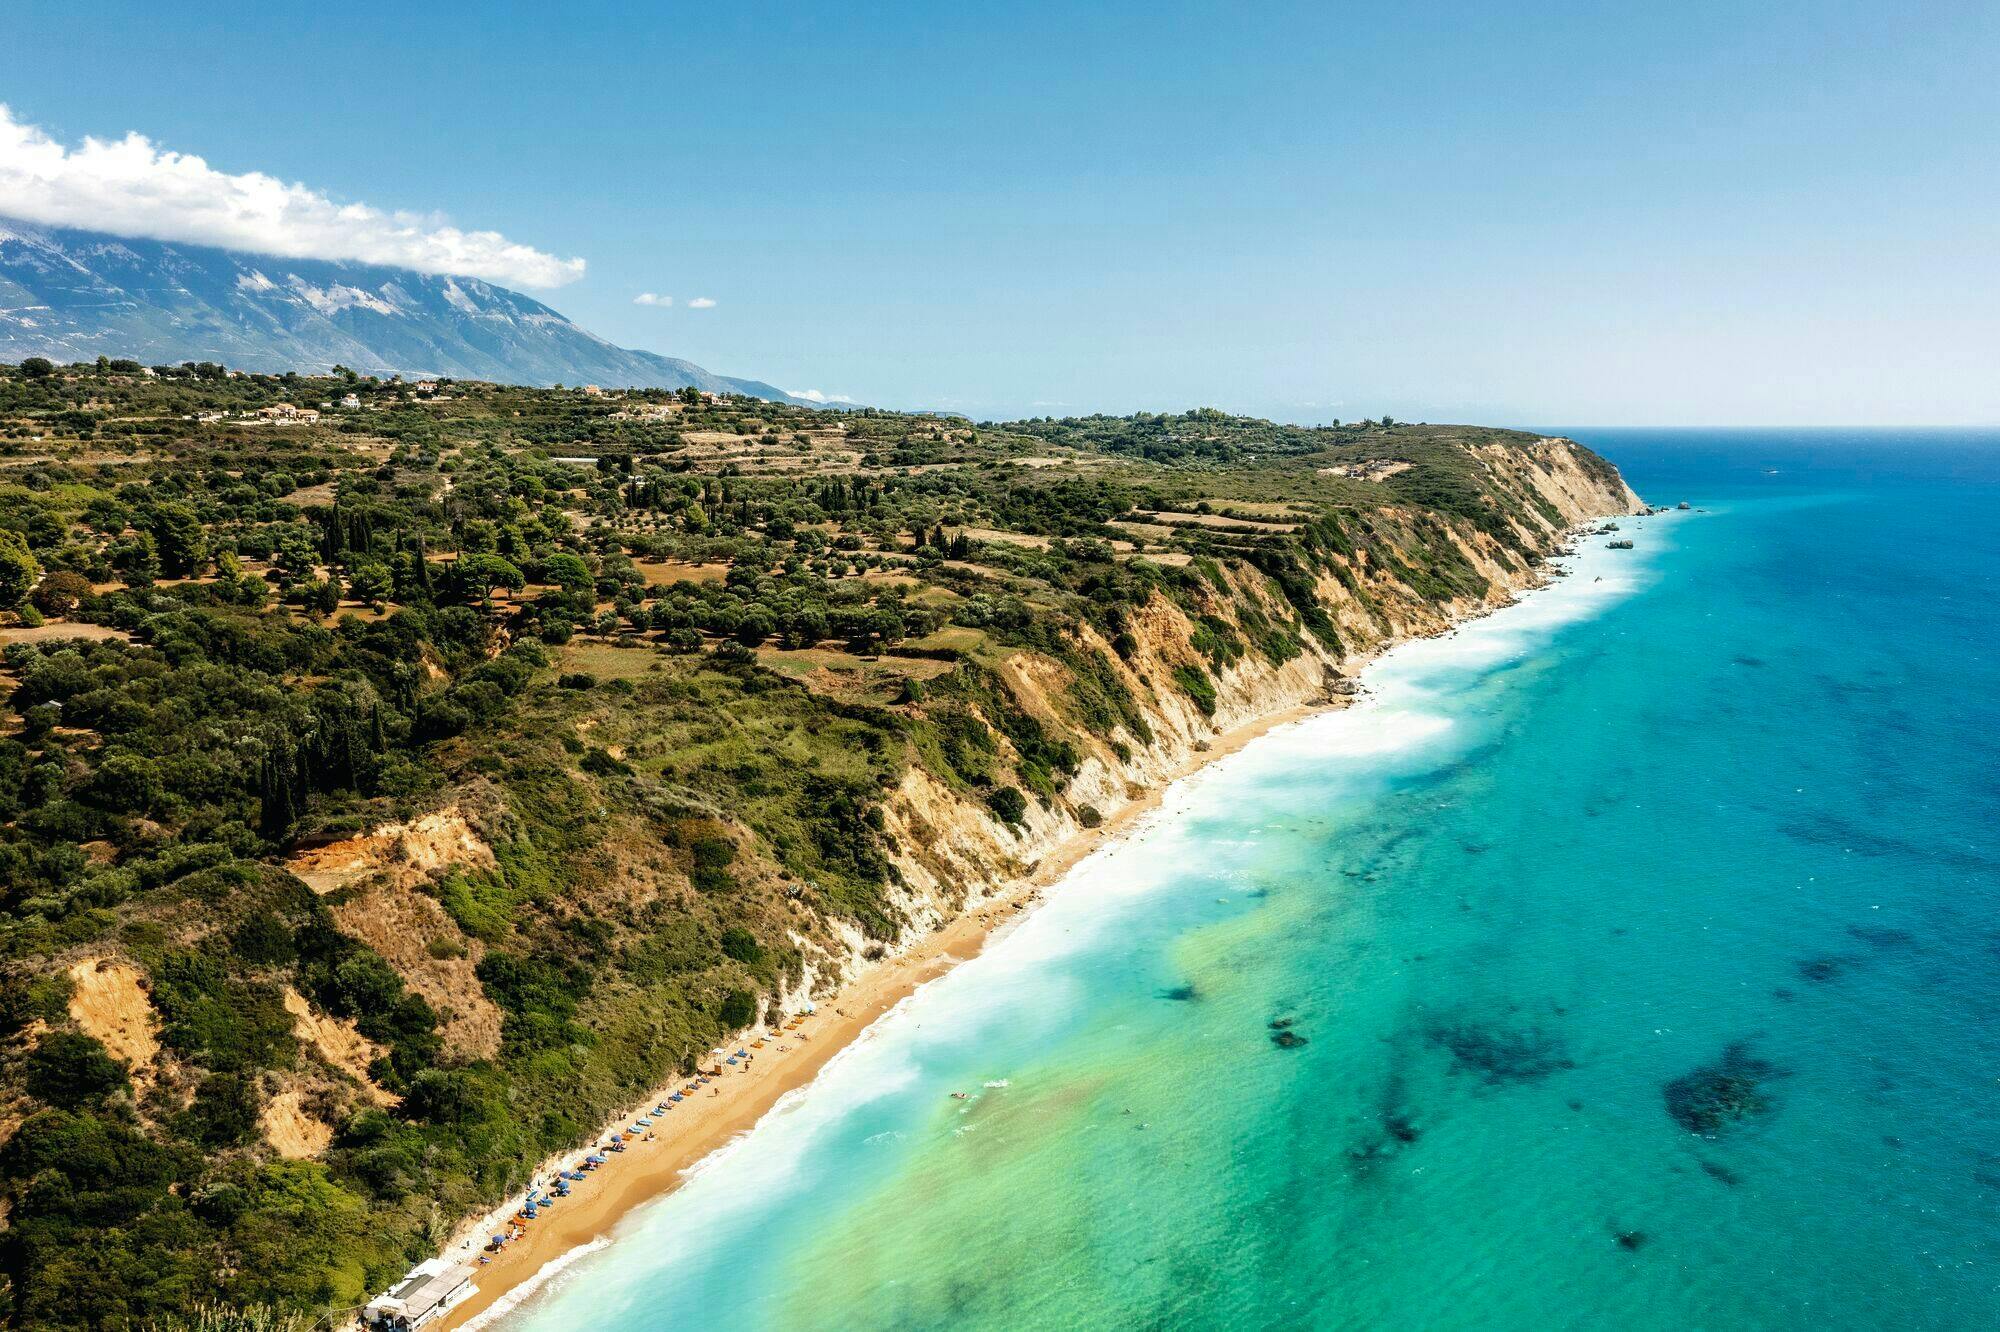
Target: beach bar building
<point x="433" y="1288"/>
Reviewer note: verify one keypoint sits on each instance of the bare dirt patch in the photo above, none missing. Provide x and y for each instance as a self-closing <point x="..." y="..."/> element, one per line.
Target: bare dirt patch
<point x="1221" y="521"/>
<point x="52" y="633"/>
<point x="408" y="851"/>
<point x="307" y="496"/>
<point x="291" y="1130"/>
<point x="109" y="1002"/>
<point x="664" y="573"/>
<point x="399" y="922"/>
<point x="1028" y="539"/>
<point x="1375" y="469"/>
<point x="337" y="1042"/>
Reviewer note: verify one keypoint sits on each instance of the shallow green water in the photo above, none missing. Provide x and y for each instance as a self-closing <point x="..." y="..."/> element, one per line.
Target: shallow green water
<point x="1739" y="794"/>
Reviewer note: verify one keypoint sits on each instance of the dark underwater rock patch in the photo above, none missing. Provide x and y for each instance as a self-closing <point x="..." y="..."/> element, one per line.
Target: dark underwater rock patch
<point x="1399" y="1127"/>
<point x="1715" y="1097"/>
<point x="1722" y="1174"/>
<point x="1395" y="1129"/>
<point x="1822" y="970"/>
<point x="1502" y="1054"/>
<point x="1180" y="994"/>
<point x="1282" y="1034"/>
<point x="1883" y="938"/>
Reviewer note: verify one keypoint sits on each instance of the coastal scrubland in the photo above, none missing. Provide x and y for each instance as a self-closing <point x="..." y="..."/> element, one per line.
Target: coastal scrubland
<point x="397" y="779"/>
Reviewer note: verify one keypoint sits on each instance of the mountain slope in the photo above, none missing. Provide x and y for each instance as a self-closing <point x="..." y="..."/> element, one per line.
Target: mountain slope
<point x="75" y="295"/>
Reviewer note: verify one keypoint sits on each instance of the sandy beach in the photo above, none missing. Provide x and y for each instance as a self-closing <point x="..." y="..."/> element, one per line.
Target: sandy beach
<point x="735" y="1102"/>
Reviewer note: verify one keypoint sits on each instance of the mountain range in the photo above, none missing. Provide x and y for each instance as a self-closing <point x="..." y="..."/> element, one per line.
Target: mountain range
<point x="71" y="295"/>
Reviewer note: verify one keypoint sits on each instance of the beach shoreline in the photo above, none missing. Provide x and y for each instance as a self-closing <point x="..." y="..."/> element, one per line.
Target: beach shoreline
<point x="700" y="1127"/>
<point x="647" y="1171"/>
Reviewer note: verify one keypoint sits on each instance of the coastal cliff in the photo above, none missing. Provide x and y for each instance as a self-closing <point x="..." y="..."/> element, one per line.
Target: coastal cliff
<point x="393" y="793"/>
<point x="952" y="853"/>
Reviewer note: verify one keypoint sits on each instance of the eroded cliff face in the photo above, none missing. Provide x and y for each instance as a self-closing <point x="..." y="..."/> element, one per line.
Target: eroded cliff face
<point x="1393" y="573"/>
<point x="952" y="853"/>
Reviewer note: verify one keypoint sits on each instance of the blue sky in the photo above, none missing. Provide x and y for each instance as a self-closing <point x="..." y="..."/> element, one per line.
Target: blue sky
<point x="1573" y="213"/>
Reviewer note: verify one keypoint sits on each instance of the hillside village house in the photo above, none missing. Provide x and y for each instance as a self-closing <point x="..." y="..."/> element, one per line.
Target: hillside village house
<point x="285" y="413"/>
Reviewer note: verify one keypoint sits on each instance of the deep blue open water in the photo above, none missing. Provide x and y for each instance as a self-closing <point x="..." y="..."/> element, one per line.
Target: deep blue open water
<point x="1644" y="942"/>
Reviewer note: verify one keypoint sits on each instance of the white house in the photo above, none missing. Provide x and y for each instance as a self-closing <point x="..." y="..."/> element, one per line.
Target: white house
<point x="432" y="1289"/>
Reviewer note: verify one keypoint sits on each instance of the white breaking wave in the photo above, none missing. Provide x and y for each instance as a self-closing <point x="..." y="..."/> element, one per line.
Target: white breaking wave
<point x="519" y="1295"/>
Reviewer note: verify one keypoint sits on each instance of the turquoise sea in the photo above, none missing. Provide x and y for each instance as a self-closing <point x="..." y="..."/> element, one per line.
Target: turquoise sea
<point x="1643" y="940"/>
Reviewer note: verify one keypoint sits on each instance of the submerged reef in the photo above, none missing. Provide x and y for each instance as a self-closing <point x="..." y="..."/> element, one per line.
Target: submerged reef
<point x="1395" y="1129"/>
<point x="1718" y="1095"/>
<point x="1502" y="1054"/>
<point x="1820" y="970"/>
<point x="1883" y="938"/>
<point x="1722" y="1174"/>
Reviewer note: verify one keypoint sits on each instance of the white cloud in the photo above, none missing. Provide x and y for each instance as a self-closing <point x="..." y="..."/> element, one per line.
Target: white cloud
<point x="814" y="395"/>
<point x="130" y="187"/>
<point x="701" y="303"/>
<point x="652" y="298"/>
